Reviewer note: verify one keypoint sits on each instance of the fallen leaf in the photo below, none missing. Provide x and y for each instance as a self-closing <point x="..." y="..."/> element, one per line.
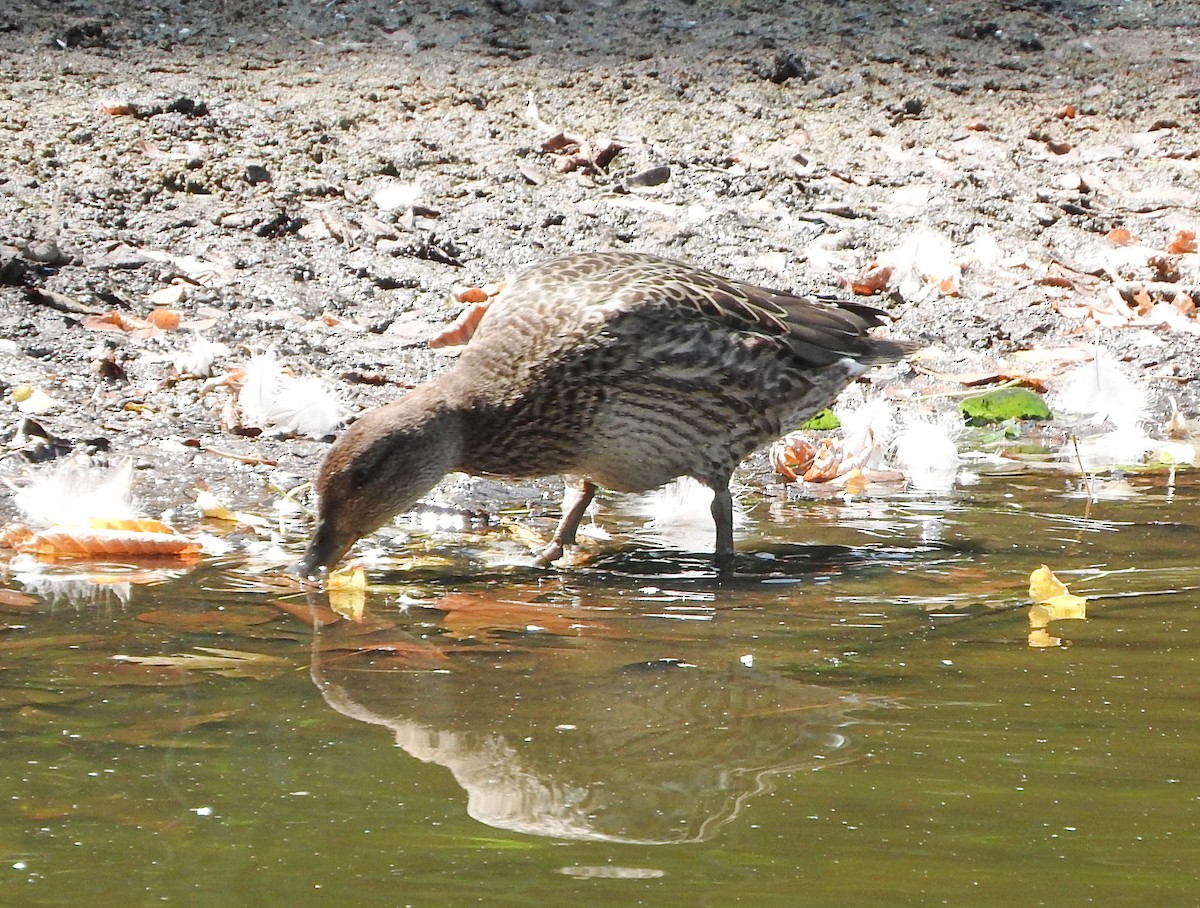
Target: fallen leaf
<point x="1120" y="236"/>
<point x="1183" y="243"/>
<point x="215" y="621"/>
<point x="1051" y="602"/>
<point x="12" y="601"/>
<point x="1051" y="595"/>
<point x="81" y="542"/>
<point x="234" y="663"/>
<point x="33" y="401"/>
<point x="164" y="319"/>
<point x="109" y="321"/>
<point x="870" y="282"/>
<point x="347" y="591"/>
<point x="307" y="612"/>
<point x="792" y="455"/>
<point x="478" y="615"/>
<point x="1142" y="303"/>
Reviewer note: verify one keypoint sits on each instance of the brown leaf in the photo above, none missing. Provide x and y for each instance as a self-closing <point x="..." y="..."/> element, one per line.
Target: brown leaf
<point x="208" y="622"/>
<point x="12" y="601"/>
<point x="479" y="615"/>
<point x="308" y="613"/>
<point x="1120" y="236"/>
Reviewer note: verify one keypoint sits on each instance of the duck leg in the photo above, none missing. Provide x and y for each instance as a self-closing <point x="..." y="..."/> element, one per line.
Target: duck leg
<point x="722" y="512"/>
<point x="576" y="499"/>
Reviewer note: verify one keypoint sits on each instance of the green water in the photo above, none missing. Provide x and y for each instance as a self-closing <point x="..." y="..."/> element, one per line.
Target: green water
<point x="857" y="719"/>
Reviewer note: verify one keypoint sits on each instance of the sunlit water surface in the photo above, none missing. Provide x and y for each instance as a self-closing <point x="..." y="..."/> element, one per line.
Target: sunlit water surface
<point x="858" y="717"/>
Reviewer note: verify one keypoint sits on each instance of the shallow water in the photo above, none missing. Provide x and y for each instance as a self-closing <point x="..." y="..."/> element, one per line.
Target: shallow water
<point x="857" y="717"/>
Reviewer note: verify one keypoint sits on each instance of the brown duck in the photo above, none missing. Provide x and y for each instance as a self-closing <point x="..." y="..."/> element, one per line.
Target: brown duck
<point x="614" y="369"/>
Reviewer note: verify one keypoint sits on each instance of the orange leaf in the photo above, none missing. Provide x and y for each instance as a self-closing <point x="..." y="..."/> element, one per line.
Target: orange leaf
<point x="1184" y="303"/>
<point x="1120" y="236"/>
<point x="948" y="286"/>
<point x="874" y="280"/>
<point x="73" y="542"/>
<point x="792" y="455"/>
<point x="1066" y="113"/>
<point x="109" y="321"/>
<point x="166" y="319"/>
<point x="14" y="534"/>
<point x="135" y="524"/>
<point x="1142" y="302"/>
<point x="1184" y="242"/>
<point x="1055" y="280"/>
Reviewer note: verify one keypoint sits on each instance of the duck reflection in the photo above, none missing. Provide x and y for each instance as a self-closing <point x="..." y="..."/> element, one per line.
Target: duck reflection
<point x="655" y="753"/>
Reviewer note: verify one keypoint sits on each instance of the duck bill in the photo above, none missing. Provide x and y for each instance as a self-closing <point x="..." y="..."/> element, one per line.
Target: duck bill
<point x="324" y="551"/>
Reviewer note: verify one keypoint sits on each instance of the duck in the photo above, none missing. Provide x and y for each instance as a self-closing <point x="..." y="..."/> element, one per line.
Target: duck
<point x="616" y="370"/>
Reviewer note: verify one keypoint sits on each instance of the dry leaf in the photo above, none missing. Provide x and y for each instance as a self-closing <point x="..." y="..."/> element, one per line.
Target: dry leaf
<point x="1184" y="243"/>
<point x="347" y="591"/>
<point x="870" y="282"/>
<point x="309" y="613"/>
<point x="1142" y="303"/>
<point x="1051" y="598"/>
<point x="1184" y="303"/>
<point x="792" y="455"/>
<point x="164" y="319"/>
<point x="81" y="542"/>
<point x="215" y="621"/>
<point x="233" y="663"/>
<point x="1051" y="602"/>
<point x="1120" y="236"/>
<point x="109" y="321"/>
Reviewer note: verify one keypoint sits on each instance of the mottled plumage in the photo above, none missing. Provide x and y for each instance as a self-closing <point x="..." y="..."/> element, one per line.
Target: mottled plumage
<point x="614" y="369"/>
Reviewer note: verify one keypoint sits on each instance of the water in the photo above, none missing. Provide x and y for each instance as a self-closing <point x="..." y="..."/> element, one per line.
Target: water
<point x="857" y="718"/>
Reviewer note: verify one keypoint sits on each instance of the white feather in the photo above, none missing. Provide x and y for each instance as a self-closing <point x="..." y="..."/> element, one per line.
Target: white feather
<point x="1103" y="391"/>
<point x="75" y="491"/>
<point x="680" y="514"/>
<point x="926" y="450"/>
<point x="281" y="404"/>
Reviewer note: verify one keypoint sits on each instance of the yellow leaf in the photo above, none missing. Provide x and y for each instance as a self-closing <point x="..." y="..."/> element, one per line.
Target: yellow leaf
<point x="213" y="507"/>
<point x="1040" y="639"/>
<point x="347" y="589"/>
<point x="1057" y="608"/>
<point x="1051" y="602"/>
<point x="1044" y="585"/>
